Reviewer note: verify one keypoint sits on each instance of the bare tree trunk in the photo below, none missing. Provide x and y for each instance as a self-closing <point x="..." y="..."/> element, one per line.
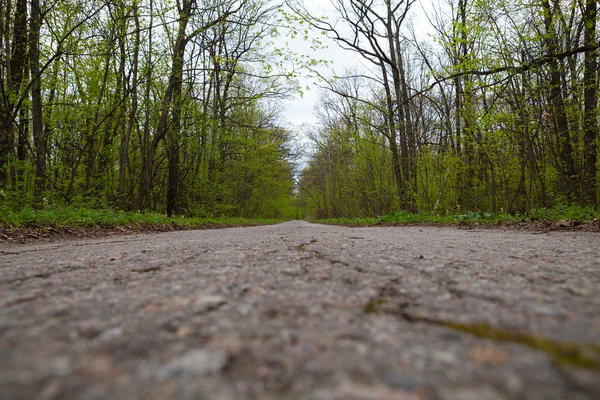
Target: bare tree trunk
<point x="590" y="126"/>
<point x="175" y="84"/>
<point x="566" y="164"/>
<point x="36" y="103"/>
<point x="124" y="150"/>
<point x="465" y="112"/>
<point x="402" y="123"/>
<point x="175" y="134"/>
<point x="14" y="74"/>
<point x="146" y="169"/>
<point x="409" y="133"/>
<point x="391" y="135"/>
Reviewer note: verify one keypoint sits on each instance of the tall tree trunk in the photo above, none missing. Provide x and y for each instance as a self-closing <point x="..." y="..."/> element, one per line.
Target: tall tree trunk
<point x="590" y="126"/>
<point x="162" y="127"/>
<point x="36" y="104"/>
<point x="174" y="138"/>
<point x="559" y="118"/>
<point x="393" y="138"/>
<point x="465" y="117"/>
<point x="14" y="73"/>
<point x="400" y="115"/>
<point x="145" y="169"/>
<point x="409" y="133"/>
<point x="23" y="139"/>
<point x="124" y="151"/>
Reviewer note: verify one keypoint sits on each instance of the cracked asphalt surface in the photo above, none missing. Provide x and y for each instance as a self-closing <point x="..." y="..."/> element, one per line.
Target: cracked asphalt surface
<point x="303" y="311"/>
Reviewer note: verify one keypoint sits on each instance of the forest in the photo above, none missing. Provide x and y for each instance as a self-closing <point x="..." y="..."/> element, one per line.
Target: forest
<point x="175" y="107"/>
<point x="497" y="111"/>
<point x="145" y="105"/>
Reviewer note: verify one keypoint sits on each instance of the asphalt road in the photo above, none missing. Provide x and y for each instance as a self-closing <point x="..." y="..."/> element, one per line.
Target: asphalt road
<point x="303" y="311"/>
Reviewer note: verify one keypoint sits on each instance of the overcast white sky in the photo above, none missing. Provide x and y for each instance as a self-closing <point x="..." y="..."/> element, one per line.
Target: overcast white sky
<point x="301" y="110"/>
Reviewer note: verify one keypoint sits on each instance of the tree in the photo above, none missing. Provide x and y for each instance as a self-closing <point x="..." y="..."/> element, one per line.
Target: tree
<point x="37" y="126"/>
<point x="505" y="117"/>
<point x="12" y="74"/>
<point x="590" y="95"/>
<point x="375" y="35"/>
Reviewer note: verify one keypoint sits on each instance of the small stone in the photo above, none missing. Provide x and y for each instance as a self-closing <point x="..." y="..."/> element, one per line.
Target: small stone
<point x="195" y="362"/>
<point x="89" y="329"/>
<point x="577" y="291"/>
<point x="184" y="331"/>
<point x="208" y="303"/>
<point x="147" y="267"/>
<point x="111" y="334"/>
<point x="563" y="224"/>
<point x="350" y="280"/>
<point x="293" y="271"/>
<point x="60" y="366"/>
<point x="399" y="381"/>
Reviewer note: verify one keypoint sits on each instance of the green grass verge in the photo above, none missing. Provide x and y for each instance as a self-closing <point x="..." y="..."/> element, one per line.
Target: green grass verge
<point x="83" y="217"/>
<point x="557" y="213"/>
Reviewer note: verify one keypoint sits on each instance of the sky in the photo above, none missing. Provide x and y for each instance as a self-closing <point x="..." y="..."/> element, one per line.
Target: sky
<point x="300" y="111"/>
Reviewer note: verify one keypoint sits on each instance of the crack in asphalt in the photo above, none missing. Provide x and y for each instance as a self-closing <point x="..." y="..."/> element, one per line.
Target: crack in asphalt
<point x="66" y="245"/>
<point x="320" y="255"/>
<point x="43" y="275"/>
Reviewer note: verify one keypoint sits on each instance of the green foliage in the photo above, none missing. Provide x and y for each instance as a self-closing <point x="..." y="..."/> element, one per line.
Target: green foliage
<point x="558" y="213"/>
<point x="479" y="141"/>
<point x="499" y="129"/>
<point x="110" y="86"/>
<point x="361" y="221"/>
<point x="564" y="212"/>
<point x="85" y="217"/>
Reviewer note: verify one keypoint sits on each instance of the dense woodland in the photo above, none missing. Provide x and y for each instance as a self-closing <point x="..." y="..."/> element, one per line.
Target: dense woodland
<point x="498" y="111"/>
<point x="174" y="106"/>
<point x="145" y="105"/>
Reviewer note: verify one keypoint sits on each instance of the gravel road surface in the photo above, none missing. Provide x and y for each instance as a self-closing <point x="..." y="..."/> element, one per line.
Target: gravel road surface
<point x="303" y="311"/>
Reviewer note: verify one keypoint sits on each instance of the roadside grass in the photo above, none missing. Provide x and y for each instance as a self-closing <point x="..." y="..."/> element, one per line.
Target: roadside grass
<point x="72" y="217"/>
<point x="75" y="217"/>
<point x="571" y="215"/>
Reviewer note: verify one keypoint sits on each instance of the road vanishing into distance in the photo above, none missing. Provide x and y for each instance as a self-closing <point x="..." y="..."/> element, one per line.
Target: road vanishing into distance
<point x="303" y="311"/>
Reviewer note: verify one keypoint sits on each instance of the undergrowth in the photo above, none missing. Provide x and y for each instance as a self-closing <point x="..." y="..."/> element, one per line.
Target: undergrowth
<point x="84" y="217"/>
<point x="559" y="212"/>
